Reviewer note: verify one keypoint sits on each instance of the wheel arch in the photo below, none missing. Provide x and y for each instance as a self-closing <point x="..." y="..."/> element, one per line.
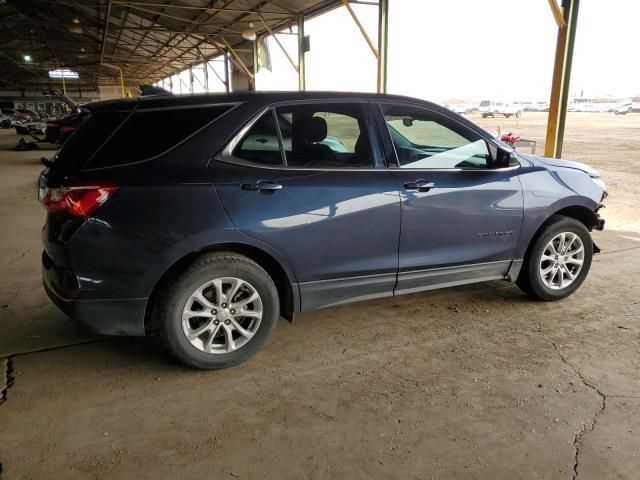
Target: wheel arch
<point x="581" y="213"/>
<point x="578" y="212"/>
<point x="287" y="288"/>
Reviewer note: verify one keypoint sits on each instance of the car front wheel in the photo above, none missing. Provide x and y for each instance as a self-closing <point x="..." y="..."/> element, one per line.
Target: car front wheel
<point x="558" y="261"/>
<point x="219" y="312"/>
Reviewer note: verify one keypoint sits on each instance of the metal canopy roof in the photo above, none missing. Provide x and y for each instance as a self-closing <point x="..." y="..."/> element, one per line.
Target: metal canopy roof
<point x="147" y="39"/>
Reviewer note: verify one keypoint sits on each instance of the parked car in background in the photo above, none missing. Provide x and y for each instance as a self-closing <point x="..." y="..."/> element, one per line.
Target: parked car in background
<point x="26" y="128"/>
<point x="25" y="115"/>
<point x="587" y="107"/>
<point x="58" y="130"/>
<point x="624" y="109"/>
<point x="493" y="108"/>
<point x="6" y="121"/>
<point x="166" y="214"/>
<point x="537" y="107"/>
<point x="461" y="109"/>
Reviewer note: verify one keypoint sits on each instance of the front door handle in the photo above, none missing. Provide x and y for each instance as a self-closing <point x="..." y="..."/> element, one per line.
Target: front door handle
<point x="262" y="186"/>
<point x="419" y="185"/>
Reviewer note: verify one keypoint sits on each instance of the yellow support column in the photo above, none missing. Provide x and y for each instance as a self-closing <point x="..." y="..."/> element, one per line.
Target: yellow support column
<point x="567" y="19"/>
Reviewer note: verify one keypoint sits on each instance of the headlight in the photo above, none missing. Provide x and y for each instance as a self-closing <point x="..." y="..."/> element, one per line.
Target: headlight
<point x="598" y="181"/>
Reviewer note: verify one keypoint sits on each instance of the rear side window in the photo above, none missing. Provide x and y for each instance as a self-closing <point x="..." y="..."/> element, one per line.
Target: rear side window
<point x="92" y="132"/>
<point x="147" y="134"/>
<point x="325" y="136"/>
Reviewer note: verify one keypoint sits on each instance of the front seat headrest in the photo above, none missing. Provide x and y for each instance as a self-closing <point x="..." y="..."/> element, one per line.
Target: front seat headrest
<point x="316" y="130"/>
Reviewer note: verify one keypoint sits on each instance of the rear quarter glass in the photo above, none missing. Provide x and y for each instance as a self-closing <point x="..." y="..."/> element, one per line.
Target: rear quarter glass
<point x="149" y="133"/>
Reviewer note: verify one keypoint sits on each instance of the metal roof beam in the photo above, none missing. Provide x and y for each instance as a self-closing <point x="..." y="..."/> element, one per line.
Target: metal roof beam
<point x="208" y="9"/>
<point x="105" y="32"/>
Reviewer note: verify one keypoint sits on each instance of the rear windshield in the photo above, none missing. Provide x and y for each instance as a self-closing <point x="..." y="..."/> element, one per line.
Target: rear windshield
<point x="87" y="139"/>
<point x="147" y="134"/>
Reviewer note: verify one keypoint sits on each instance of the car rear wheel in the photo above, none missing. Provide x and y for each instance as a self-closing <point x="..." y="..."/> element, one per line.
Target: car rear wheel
<point x="219" y="312"/>
<point x="558" y="261"/>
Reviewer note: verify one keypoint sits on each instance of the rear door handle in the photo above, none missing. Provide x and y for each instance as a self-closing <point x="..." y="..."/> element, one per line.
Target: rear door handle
<point x="262" y="186"/>
<point x="419" y="185"/>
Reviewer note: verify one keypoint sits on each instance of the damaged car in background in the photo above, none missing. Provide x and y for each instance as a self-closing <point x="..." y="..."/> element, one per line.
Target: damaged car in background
<point x="49" y="130"/>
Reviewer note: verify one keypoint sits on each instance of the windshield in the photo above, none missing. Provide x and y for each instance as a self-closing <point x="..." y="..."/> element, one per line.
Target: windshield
<point x="485" y="103"/>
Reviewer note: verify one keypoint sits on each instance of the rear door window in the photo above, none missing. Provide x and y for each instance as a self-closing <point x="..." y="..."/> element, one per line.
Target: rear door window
<point x="325" y="136"/>
<point x="149" y="133"/>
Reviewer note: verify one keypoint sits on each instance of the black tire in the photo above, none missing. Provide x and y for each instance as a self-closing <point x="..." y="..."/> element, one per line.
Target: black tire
<point x="484" y="115"/>
<point x="173" y="297"/>
<point x="529" y="279"/>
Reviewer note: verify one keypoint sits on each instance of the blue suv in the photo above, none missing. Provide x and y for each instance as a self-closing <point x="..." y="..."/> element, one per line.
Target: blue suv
<point x="205" y="218"/>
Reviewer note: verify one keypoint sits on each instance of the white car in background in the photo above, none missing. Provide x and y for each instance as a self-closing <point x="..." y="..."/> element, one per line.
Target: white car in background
<point x="461" y="108"/>
<point x="493" y="108"/>
<point x="6" y="121"/>
<point x="624" y="109"/>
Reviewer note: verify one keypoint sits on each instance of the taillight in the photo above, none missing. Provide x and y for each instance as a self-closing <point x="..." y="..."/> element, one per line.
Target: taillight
<point x="78" y="201"/>
<point x="67" y="129"/>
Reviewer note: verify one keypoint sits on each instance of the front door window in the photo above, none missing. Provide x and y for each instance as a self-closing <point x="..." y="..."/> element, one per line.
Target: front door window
<point x="427" y="140"/>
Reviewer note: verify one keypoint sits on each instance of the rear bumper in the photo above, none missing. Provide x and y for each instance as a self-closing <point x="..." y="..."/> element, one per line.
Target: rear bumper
<point x="104" y="316"/>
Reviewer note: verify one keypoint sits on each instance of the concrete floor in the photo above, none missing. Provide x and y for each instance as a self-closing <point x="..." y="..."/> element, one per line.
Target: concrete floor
<point x="474" y="382"/>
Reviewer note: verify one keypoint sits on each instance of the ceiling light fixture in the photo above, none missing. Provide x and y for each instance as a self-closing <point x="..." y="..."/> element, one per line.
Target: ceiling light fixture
<point x="249" y="33"/>
<point x="76" y="28"/>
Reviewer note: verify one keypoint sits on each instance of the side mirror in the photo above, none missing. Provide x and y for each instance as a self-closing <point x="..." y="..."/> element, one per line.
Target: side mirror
<point x="407" y="122"/>
<point x="502" y="157"/>
<point x="507" y="158"/>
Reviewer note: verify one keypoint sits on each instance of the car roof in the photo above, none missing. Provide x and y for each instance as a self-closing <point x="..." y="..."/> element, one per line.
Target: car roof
<point x="258" y="98"/>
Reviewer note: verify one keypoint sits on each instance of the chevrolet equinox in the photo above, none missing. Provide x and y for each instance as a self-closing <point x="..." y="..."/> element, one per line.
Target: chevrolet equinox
<point x="205" y="218"/>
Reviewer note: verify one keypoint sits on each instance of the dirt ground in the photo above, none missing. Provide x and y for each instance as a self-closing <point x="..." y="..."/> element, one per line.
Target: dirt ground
<point x="475" y="382"/>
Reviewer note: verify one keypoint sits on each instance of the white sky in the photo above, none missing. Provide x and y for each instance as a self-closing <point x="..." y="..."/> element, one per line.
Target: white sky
<point x="468" y="49"/>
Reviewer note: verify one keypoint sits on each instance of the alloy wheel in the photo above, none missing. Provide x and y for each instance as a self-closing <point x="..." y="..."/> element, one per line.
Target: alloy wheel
<point x="222" y="315"/>
<point x="561" y="260"/>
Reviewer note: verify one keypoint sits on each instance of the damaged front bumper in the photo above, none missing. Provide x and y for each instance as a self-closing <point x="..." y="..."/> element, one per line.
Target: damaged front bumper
<point x="599" y="225"/>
